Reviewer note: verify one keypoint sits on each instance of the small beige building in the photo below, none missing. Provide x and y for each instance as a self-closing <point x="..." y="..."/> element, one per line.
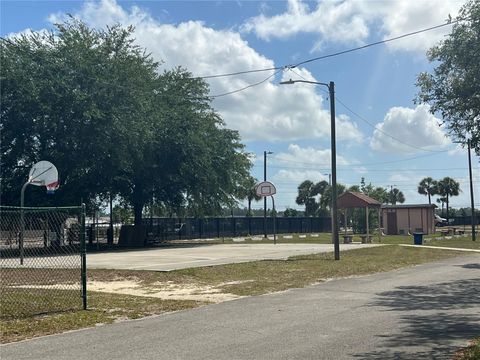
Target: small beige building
<point x="407" y="219"/>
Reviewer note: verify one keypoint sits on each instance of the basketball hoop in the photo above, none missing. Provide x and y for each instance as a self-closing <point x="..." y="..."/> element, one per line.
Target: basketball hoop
<point x="52" y="187"/>
<point x="44" y="173"/>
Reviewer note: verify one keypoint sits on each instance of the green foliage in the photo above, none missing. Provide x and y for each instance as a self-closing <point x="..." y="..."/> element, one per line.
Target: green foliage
<point x="291" y="213"/>
<point x="394" y="196"/>
<point x="357" y="216"/>
<point x="448" y="187"/>
<point x="97" y="106"/>
<point x="309" y="192"/>
<point x="453" y="87"/>
<point x="247" y="191"/>
<point x="428" y="187"/>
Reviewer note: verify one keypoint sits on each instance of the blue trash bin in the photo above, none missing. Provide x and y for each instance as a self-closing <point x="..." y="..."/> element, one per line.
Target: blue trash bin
<point x="418" y="238"/>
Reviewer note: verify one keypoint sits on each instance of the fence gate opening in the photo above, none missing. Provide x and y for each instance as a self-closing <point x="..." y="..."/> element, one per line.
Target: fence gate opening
<point x="42" y="260"/>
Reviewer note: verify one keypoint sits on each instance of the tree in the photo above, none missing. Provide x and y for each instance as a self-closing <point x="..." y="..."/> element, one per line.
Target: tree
<point x="453" y="87"/>
<point x="306" y="196"/>
<point x="448" y="187"/>
<point x="442" y="201"/>
<point x="98" y="107"/>
<point x="247" y="191"/>
<point x="291" y="213"/>
<point x="395" y="195"/>
<point x="428" y="187"/>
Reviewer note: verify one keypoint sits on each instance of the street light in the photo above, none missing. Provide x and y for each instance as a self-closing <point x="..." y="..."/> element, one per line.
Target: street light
<point x="265" y="153"/>
<point x="331" y="90"/>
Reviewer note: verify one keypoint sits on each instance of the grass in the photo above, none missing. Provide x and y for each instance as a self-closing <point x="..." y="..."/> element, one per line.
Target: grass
<point x="253" y="278"/>
<point x="463" y="242"/>
<point x="472" y="352"/>
<point x="103" y="309"/>
<point x="326" y="238"/>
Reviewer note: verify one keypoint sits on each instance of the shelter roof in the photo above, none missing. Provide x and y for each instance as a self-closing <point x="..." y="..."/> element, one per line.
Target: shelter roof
<point x="353" y="199"/>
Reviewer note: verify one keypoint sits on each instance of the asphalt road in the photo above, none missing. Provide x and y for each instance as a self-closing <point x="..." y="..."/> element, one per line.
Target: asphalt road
<point x="424" y="312"/>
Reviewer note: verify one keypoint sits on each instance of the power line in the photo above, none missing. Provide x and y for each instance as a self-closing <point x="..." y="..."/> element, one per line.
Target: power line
<point x="246" y="87"/>
<point x="369" y="123"/>
<point x="363" y="164"/>
<point x="240" y="73"/>
<point x="379" y="42"/>
<point x="278" y="69"/>
<point x="336" y="53"/>
<point x="381" y="131"/>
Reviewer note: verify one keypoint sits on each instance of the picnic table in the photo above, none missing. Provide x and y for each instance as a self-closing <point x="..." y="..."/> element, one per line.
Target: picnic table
<point x="365" y="240"/>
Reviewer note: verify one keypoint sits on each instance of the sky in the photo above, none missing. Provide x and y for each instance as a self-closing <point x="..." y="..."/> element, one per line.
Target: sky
<point x="381" y="133"/>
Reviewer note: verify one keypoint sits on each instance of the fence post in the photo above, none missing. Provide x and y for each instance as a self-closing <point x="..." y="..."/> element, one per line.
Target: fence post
<point x="234" y="227"/>
<point x="83" y="256"/>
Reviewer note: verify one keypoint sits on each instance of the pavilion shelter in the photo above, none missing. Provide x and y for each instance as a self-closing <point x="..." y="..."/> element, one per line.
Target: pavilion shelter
<point x="355" y="200"/>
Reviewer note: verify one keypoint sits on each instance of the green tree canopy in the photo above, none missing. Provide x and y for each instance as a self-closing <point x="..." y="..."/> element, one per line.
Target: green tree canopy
<point x="395" y="196"/>
<point x="453" y="87"/>
<point x="99" y="108"/>
<point x="448" y="187"/>
<point x="247" y="191"/>
<point x="428" y="187"/>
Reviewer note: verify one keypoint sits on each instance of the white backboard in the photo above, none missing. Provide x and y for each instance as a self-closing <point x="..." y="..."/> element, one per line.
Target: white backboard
<point x="43" y="173"/>
<point x="265" y="188"/>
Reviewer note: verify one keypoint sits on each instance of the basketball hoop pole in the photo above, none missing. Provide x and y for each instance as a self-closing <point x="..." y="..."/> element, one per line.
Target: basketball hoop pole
<point x="22" y="220"/>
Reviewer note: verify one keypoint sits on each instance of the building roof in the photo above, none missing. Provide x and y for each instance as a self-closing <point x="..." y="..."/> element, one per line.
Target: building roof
<point x="409" y="206"/>
<point x="352" y="199"/>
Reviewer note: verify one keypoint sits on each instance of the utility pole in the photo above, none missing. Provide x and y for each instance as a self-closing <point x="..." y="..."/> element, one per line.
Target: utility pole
<point x="472" y="203"/>
<point x="336" y="242"/>
<point x="265" y="153"/>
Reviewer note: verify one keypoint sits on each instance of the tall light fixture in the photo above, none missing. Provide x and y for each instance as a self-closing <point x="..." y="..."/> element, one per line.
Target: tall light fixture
<point x="331" y="90"/>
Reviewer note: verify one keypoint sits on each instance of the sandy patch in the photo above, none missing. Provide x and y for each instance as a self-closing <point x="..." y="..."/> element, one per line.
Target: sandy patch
<point x="167" y="290"/>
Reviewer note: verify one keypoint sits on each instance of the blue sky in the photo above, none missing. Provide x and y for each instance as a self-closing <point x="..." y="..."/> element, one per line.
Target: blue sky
<point x="387" y="138"/>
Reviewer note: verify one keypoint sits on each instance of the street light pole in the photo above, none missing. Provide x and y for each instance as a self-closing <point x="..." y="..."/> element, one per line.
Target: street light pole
<point x="331" y="91"/>
<point x="472" y="203"/>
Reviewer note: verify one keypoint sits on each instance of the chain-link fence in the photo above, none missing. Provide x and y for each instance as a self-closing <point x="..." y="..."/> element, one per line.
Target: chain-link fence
<point x="42" y="260"/>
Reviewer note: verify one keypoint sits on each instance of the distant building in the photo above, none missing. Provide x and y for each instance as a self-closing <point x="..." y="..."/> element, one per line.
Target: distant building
<point x="407" y="219"/>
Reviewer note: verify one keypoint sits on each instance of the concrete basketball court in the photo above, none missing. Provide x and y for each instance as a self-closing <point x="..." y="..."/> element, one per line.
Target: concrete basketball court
<point x="182" y="257"/>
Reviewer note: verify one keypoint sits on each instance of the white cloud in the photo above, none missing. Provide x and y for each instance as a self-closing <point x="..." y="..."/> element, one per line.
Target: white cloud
<point x="267" y="112"/>
<point x="353" y="21"/>
<point x="417" y="127"/>
<point x="308" y="156"/>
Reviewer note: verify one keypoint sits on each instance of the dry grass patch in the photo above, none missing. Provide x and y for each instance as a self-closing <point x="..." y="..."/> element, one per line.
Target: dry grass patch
<point x="104" y="308"/>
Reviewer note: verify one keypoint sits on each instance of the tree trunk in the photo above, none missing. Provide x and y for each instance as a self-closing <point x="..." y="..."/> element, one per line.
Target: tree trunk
<point x="448" y="216"/>
<point x="137" y="211"/>
<point x="138" y="204"/>
<point x="249" y="213"/>
<point x="429" y="201"/>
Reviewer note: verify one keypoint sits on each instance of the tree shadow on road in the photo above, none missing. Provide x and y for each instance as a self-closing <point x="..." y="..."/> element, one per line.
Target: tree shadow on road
<point x="471" y="266"/>
<point x="433" y="319"/>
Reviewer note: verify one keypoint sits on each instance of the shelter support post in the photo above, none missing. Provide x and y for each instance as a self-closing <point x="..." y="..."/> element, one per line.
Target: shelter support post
<point x="345" y="222"/>
<point x="379" y="226"/>
<point x="368" y="230"/>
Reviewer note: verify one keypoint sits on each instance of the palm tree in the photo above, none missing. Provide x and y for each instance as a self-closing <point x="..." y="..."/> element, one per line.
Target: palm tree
<point x="395" y="196"/>
<point x="307" y="193"/>
<point x="247" y="191"/>
<point x="448" y="187"/>
<point x="442" y="201"/>
<point x="429" y="187"/>
<point x="306" y="196"/>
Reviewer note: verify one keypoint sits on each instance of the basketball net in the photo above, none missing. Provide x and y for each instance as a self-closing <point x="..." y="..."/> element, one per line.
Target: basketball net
<point x="52" y="187"/>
